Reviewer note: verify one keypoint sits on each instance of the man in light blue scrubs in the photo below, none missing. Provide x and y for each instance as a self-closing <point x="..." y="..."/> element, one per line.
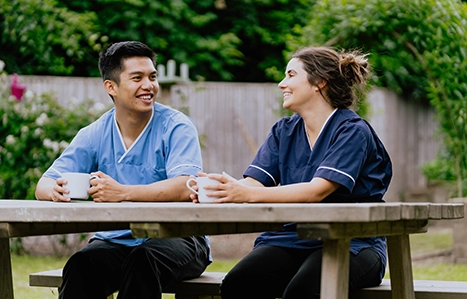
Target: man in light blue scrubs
<point x="140" y="150"/>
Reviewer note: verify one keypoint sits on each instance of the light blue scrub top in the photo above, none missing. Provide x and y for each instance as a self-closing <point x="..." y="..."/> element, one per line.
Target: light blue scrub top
<point x="167" y="147"/>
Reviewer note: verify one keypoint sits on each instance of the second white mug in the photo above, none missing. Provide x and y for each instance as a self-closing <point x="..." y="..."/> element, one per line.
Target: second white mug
<point x="202" y="182"/>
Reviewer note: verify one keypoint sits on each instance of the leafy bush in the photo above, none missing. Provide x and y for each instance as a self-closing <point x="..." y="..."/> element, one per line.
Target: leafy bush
<point x="418" y="48"/>
<point x="33" y="132"/>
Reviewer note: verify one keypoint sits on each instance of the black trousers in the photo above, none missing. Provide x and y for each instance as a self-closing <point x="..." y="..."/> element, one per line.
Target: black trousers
<point x="141" y="272"/>
<point x="273" y="272"/>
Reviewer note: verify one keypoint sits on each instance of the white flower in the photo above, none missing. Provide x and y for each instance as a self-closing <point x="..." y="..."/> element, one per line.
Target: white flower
<point x="2" y="65"/>
<point x="10" y="139"/>
<point x="38" y="132"/>
<point x="29" y="94"/>
<point x="63" y="144"/>
<point x="42" y="119"/>
<point x="97" y="106"/>
<point x="51" y="144"/>
<point x="24" y="129"/>
<point x="47" y="143"/>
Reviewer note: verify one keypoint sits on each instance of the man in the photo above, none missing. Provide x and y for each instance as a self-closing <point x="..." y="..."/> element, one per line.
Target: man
<point x="139" y="151"/>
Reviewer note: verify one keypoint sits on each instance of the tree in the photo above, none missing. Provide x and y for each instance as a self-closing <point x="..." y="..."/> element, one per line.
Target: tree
<point x="418" y="48"/>
<point x="39" y="37"/>
<point x="220" y="40"/>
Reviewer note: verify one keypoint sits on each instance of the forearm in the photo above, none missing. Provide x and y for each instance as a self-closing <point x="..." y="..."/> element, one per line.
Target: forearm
<point x="173" y="189"/>
<point x="310" y="192"/>
<point x="44" y="188"/>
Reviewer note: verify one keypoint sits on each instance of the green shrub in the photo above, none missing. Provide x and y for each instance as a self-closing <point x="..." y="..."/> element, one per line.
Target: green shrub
<point x="33" y="133"/>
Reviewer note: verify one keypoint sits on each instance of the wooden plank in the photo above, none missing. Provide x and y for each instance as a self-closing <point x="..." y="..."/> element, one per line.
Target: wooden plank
<point x="169" y="230"/>
<point x="21" y="229"/>
<point x="6" y="277"/>
<point x="50" y="278"/>
<point x="414" y="210"/>
<point x="435" y="211"/>
<point x="424" y="289"/>
<point x="209" y="284"/>
<point x="335" y="269"/>
<point x="393" y="211"/>
<point x="452" y="211"/>
<point x="354" y="230"/>
<point x="400" y="267"/>
<point x="37" y="211"/>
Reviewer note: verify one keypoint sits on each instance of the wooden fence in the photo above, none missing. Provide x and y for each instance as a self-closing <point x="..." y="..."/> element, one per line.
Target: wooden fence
<point x="233" y="119"/>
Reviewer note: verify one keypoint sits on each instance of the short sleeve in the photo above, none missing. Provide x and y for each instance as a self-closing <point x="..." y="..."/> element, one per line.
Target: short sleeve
<point x="265" y="165"/>
<point x="77" y="157"/>
<point x="346" y="156"/>
<point x="182" y="147"/>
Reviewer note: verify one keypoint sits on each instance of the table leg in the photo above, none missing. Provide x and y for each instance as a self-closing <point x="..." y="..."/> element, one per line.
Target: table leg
<point x="335" y="269"/>
<point x="6" y="276"/>
<point x="400" y="267"/>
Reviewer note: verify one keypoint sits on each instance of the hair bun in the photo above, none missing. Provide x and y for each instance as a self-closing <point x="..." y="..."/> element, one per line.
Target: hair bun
<point x="354" y="67"/>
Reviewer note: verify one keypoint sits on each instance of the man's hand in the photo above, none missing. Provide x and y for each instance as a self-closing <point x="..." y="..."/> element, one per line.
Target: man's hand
<point x="105" y="189"/>
<point x="59" y="191"/>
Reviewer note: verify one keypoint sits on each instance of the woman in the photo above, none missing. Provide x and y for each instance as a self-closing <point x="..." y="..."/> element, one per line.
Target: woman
<point x="323" y="153"/>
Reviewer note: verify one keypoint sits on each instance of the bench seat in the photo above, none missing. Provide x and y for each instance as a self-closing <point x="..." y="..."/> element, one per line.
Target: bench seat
<point x="207" y="287"/>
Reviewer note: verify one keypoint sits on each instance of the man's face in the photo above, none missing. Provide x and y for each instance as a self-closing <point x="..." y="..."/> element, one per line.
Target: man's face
<point x="138" y="86"/>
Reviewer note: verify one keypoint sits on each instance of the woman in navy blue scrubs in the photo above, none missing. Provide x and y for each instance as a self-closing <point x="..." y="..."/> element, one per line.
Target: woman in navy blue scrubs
<point x="323" y="153"/>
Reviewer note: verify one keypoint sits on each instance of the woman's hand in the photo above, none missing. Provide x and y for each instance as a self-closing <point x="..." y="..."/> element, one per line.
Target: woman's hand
<point x="230" y="189"/>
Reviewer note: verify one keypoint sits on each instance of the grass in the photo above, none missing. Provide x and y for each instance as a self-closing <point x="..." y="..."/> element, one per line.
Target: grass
<point x="432" y="241"/>
<point x="23" y="265"/>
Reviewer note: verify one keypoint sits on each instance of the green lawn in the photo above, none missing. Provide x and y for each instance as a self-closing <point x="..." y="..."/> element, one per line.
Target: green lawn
<point x="434" y="240"/>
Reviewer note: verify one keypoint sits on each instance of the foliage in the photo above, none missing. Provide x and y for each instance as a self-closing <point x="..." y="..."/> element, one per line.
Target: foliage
<point x="418" y="48"/>
<point x="220" y="40"/>
<point x="33" y="132"/>
<point x="40" y="37"/>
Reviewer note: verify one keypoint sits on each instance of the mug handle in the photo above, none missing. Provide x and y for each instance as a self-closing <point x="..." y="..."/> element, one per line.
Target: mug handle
<point x="188" y="184"/>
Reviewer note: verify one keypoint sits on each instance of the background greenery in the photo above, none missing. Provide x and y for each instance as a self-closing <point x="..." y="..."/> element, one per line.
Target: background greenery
<point x="33" y="133"/>
<point x="220" y="40"/>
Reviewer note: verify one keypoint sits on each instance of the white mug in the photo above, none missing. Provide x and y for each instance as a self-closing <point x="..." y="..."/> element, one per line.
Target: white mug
<point x="78" y="184"/>
<point x="202" y="182"/>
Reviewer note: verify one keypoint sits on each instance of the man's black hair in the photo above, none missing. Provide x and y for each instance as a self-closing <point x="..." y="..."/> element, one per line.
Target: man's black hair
<point x="111" y="59"/>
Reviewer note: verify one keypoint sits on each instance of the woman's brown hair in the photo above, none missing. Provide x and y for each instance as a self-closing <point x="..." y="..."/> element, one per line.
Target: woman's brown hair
<point x="342" y="74"/>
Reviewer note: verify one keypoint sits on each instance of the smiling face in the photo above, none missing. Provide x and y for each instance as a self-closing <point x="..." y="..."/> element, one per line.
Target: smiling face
<point x="296" y="89"/>
<point x="138" y="87"/>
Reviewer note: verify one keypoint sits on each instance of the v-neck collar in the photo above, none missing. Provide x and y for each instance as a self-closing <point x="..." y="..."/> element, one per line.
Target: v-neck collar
<point x="320" y="131"/>
<point x="136" y="140"/>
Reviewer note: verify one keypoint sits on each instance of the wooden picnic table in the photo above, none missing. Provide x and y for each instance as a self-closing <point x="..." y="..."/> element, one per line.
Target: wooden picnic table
<point x="335" y="224"/>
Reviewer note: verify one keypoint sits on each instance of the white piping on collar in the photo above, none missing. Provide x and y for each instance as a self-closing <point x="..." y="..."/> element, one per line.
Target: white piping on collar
<point x="139" y="136"/>
<point x="320" y="131"/>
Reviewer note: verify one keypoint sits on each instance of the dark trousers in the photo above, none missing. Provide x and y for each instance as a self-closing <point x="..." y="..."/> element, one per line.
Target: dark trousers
<point x="101" y="268"/>
<point x="273" y="272"/>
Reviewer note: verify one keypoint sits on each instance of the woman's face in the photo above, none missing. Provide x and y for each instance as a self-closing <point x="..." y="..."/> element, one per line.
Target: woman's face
<point x="296" y="89"/>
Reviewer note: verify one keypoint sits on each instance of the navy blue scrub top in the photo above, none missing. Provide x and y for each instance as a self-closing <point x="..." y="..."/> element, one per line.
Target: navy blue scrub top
<point x="347" y="151"/>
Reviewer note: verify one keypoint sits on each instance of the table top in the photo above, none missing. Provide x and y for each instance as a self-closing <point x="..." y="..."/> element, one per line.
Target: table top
<point x="87" y="211"/>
